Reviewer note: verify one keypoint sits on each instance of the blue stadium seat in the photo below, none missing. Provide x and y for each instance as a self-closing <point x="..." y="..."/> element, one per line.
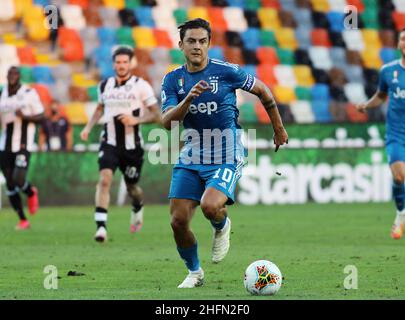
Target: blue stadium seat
<point x="236" y="3"/>
<point x="144" y="16"/>
<point x="42" y="3"/>
<point x="107" y="36"/>
<point x="250" y="69"/>
<point x="102" y="55"/>
<point x="288" y="5"/>
<point x="303" y="36"/>
<point x="320" y="92"/>
<point x="43" y="74"/>
<point x="320" y="108"/>
<point x="216" y="53"/>
<point x="106" y="71"/>
<point x="251" y="38"/>
<point x="388" y="54"/>
<point x="336" y="20"/>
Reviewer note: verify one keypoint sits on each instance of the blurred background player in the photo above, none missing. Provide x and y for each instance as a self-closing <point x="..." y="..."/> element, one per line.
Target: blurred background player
<point x="126" y="101"/>
<point x="392" y="85"/>
<point x="20" y="110"/>
<point x="202" y="94"/>
<point x="56" y="132"/>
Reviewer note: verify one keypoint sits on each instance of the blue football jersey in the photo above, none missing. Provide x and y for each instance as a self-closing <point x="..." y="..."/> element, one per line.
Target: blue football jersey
<point x="213" y="134"/>
<point x="392" y="81"/>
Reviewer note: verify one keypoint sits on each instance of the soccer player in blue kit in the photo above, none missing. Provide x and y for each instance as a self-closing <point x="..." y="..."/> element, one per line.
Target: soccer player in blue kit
<point x="201" y="94"/>
<point x="392" y="85"/>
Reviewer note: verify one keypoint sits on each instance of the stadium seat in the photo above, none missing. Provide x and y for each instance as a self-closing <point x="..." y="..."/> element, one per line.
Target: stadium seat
<point x="371" y="39"/>
<point x="42" y="74"/>
<point x="320" y="75"/>
<point x="355" y="92"/>
<point x="336" y="19"/>
<point x="7" y="11"/>
<point x="249" y="57"/>
<point x="320" y="109"/>
<point x="250" y="69"/>
<point x="302" y="111"/>
<point x="371" y="59"/>
<point x="116" y="4"/>
<point x="320" y="58"/>
<point x="356" y="3"/>
<point x="180" y="15"/>
<point x="127" y="18"/>
<point x="399" y="19"/>
<point x="285" y="75"/>
<point x="399" y="5"/>
<point x="284" y="94"/>
<point x="107" y="36"/>
<point x="287" y="19"/>
<point x="251" y="38"/>
<point x="275" y="4"/>
<point x="233" y="55"/>
<point x="354" y="73"/>
<point x="265" y="73"/>
<point x="388" y="54"/>
<point x="320" y="92"/>
<point x="235" y="19"/>
<point x="43" y="93"/>
<point x="320" y="20"/>
<point x="303" y="36"/>
<point x="160" y="55"/>
<point x="76" y="113"/>
<point x="320" y="37"/>
<point x="337" y="39"/>
<point x="144" y="38"/>
<point x="267" y="56"/>
<point x="303" y="75"/>
<point x="110" y="17"/>
<point x="320" y="5"/>
<point x="303" y="93"/>
<point x="162" y="38"/>
<point x="337" y="5"/>
<point x="303" y="18"/>
<point x="261" y="113"/>
<point x="82" y="3"/>
<point x="370" y="18"/>
<point x="216" y="53"/>
<point x="26" y="74"/>
<point x="267" y="38"/>
<point x="247" y="113"/>
<point x="353" y="40"/>
<point x="72" y="16"/>
<point x="198" y="12"/>
<point x="338" y="57"/>
<point x="338" y="94"/>
<point x="216" y="16"/>
<point x="132" y="4"/>
<point x="252" y="19"/>
<point x="124" y="36"/>
<point x="388" y="38"/>
<point x="26" y="55"/>
<point x="286" y="38"/>
<point x="354" y="57"/>
<point x="301" y="56"/>
<point x="233" y="39"/>
<point x="269" y="19"/>
<point x="337" y="77"/>
<point x="69" y="40"/>
<point x="286" y="56"/>
<point x="177" y="56"/>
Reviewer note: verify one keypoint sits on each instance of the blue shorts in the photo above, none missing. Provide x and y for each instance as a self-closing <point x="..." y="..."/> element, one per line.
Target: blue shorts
<point x="191" y="182"/>
<point x="395" y="152"/>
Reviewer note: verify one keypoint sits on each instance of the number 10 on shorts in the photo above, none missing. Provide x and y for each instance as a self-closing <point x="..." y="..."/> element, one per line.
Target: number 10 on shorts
<point x="227" y="175"/>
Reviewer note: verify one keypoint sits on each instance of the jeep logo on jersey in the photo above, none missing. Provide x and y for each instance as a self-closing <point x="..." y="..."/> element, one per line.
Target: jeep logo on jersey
<point x="214" y="84"/>
<point x="399" y="94"/>
<point x="208" y="108"/>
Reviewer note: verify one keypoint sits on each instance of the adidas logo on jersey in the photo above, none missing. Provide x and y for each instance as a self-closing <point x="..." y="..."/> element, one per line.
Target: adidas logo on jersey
<point x="207" y="108"/>
<point x="222" y="184"/>
<point x="399" y="94"/>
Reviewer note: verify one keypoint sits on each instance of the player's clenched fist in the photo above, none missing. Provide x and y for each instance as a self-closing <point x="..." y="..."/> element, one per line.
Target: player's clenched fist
<point x="198" y="89"/>
<point x="280" y="137"/>
<point x="361" y="107"/>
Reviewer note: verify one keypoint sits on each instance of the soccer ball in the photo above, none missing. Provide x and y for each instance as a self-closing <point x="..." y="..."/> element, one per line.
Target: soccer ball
<point x="262" y="278"/>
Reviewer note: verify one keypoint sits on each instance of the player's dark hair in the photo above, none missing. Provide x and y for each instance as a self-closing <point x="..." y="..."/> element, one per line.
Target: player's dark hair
<point x="123" y="50"/>
<point x="194" y="24"/>
<point x="14" y="68"/>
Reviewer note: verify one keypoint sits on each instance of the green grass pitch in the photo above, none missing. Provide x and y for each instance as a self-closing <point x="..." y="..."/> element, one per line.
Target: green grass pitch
<point x="311" y="244"/>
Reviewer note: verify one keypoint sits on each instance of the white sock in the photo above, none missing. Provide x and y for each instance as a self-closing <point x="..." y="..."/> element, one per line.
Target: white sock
<point x="136" y="216"/>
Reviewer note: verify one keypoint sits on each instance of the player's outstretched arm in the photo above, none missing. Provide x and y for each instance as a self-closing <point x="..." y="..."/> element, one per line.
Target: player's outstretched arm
<point x="177" y="113"/>
<point x="375" y="101"/>
<point x="152" y="115"/>
<point x="267" y="99"/>
<point x="98" y="113"/>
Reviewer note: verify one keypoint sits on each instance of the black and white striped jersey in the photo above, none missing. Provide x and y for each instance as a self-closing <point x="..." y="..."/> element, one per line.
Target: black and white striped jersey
<point x="131" y="97"/>
<point x="18" y="134"/>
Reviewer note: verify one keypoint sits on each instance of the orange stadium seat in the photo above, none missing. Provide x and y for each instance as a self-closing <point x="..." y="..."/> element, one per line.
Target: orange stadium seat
<point x="71" y="43"/>
<point x="261" y="113"/>
<point x="353" y="115"/>
<point x="82" y="3"/>
<point x="233" y="55"/>
<point x="356" y="3"/>
<point x="43" y="93"/>
<point x="218" y="38"/>
<point x="217" y="19"/>
<point x="399" y="19"/>
<point x="271" y="4"/>
<point x="267" y="55"/>
<point x="26" y="55"/>
<point x="162" y="38"/>
<point x="266" y="74"/>
<point x="320" y="37"/>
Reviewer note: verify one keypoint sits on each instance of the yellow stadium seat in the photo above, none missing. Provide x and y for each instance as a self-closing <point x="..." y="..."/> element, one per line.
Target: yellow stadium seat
<point x="33" y="14"/>
<point x="286" y="38"/>
<point x="303" y="75"/>
<point x="144" y="38"/>
<point x="198" y="12"/>
<point x="21" y="6"/>
<point x="76" y="113"/>
<point x="10" y="38"/>
<point x="371" y="38"/>
<point x="81" y="80"/>
<point x="118" y="4"/>
<point x="371" y="59"/>
<point x="284" y="94"/>
<point x="37" y="31"/>
<point x="269" y="18"/>
<point x="171" y="67"/>
<point x="320" y="5"/>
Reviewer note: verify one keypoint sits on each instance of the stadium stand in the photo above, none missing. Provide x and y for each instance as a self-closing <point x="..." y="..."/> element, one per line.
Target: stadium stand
<point x="316" y="68"/>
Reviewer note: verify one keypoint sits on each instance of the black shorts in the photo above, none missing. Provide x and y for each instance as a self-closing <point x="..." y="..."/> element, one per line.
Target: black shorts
<point x="128" y="161"/>
<point x="11" y="160"/>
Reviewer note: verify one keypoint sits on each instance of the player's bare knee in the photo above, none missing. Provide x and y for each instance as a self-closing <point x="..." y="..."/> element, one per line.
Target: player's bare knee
<point x="210" y="209"/>
<point x="104" y="182"/>
<point x="179" y="223"/>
